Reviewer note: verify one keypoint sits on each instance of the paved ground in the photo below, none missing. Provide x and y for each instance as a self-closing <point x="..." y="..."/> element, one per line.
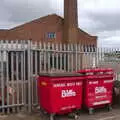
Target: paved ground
<point x="99" y="115"/>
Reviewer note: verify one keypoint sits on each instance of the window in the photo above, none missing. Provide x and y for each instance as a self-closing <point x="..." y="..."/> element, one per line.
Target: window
<point x="51" y="35"/>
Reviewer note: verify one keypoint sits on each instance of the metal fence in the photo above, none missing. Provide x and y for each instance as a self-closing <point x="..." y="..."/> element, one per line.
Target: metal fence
<point x="21" y="61"/>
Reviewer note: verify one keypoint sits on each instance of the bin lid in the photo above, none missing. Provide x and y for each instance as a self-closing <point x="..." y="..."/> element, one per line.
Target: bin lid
<point x="66" y="74"/>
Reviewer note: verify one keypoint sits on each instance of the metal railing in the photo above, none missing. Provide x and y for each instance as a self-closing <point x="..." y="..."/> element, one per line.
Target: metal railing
<point x="22" y="61"/>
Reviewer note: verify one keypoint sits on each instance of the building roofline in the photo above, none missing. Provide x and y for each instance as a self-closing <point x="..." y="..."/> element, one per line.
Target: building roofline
<point x="3" y="30"/>
<point x="86" y="33"/>
<point x="38" y="20"/>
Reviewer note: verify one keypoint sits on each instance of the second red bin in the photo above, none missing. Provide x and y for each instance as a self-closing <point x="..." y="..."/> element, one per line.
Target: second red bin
<point x="98" y="88"/>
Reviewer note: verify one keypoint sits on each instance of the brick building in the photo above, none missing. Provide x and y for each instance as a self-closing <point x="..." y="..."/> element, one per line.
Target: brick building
<point x="52" y="28"/>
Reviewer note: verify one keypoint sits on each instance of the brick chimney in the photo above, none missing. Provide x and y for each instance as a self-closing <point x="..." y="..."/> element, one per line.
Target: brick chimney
<point x="70" y="21"/>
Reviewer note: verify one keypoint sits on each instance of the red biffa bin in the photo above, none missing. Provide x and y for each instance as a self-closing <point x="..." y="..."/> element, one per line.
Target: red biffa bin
<point x="60" y="93"/>
<point x="98" y="88"/>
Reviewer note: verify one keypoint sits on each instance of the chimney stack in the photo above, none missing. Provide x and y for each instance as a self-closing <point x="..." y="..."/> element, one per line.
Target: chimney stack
<point x="70" y="21"/>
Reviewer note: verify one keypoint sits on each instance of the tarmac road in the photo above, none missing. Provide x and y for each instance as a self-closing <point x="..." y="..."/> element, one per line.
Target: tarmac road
<point x="99" y="115"/>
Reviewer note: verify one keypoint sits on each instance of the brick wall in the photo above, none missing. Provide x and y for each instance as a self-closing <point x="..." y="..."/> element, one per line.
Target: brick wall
<point x="37" y="30"/>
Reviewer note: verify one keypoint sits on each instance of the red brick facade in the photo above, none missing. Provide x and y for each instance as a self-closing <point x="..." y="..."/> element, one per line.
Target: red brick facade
<point x="66" y="30"/>
<point x="37" y="31"/>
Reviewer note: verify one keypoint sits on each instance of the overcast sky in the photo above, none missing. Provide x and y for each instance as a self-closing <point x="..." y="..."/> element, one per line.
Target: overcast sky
<point x="98" y="17"/>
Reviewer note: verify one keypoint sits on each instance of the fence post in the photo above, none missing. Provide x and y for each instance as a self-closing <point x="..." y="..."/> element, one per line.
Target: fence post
<point x="81" y="56"/>
<point x="29" y="78"/>
<point x="76" y="56"/>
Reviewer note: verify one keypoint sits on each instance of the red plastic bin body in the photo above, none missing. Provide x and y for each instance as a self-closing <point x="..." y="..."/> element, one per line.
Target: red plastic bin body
<point x="60" y="95"/>
<point x="98" y="87"/>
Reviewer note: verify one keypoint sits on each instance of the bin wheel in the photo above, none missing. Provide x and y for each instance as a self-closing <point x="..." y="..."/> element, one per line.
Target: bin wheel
<point x="51" y="116"/>
<point x="109" y="107"/>
<point x="91" y="111"/>
<point x="76" y="117"/>
<point x="43" y="111"/>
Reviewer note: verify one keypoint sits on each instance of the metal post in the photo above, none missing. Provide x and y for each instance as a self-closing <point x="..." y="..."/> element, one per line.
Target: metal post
<point x="29" y="78"/>
<point x="76" y="61"/>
